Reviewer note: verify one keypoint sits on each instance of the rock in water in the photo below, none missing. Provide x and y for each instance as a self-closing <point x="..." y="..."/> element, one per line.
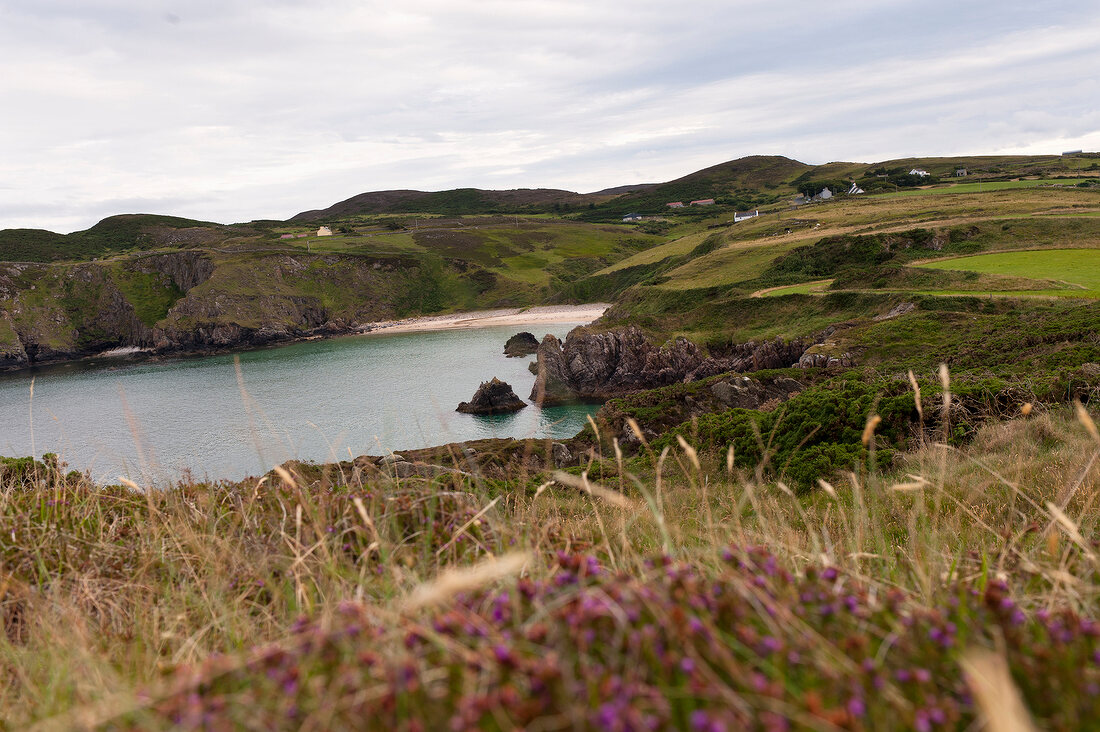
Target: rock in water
<point x="492" y="397"/>
<point x="521" y="344"/>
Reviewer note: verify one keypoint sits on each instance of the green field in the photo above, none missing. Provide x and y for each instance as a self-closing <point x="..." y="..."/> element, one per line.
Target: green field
<point x="805" y="288"/>
<point x="982" y="187"/>
<point x="1078" y="267"/>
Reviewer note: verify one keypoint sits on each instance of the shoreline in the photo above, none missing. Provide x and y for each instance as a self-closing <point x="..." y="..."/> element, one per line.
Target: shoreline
<point x="488" y="318"/>
<point x="548" y="314"/>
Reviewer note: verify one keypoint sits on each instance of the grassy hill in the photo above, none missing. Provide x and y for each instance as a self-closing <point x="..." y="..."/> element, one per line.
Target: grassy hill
<point x="457" y="202"/>
<point x="112" y="235"/>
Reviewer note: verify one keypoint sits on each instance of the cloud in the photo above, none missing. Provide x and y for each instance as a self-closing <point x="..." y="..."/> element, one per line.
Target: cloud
<point x="238" y="109"/>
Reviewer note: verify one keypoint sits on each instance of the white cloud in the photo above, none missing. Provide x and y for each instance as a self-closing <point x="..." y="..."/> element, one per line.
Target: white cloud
<point x="238" y="109"/>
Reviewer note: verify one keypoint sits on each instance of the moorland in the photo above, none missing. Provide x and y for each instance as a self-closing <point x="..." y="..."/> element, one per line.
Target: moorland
<point x="896" y="528"/>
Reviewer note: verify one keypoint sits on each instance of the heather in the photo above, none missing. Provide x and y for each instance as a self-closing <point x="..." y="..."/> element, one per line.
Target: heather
<point x="677" y="590"/>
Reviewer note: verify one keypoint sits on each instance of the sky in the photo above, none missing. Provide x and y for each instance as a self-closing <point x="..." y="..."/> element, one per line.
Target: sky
<point x="235" y="110"/>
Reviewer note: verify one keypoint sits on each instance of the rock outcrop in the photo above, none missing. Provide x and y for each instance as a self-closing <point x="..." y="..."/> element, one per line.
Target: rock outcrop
<point x="492" y="397"/>
<point x="521" y="344"/>
<point x="592" y="366"/>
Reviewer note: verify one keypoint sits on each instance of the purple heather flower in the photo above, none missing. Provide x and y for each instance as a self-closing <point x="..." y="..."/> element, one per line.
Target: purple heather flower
<point x="770" y="644"/>
<point x="502" y="653"/>
<point x="687" y="665"/>
<point x="856" y="707"/>
<point x="922" y="675"/>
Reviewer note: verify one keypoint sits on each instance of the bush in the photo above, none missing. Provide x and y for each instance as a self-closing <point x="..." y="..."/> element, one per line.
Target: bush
<point x="816" y="432"/>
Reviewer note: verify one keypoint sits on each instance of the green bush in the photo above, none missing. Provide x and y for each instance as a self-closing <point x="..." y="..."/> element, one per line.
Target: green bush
<point x="815" y="433"/>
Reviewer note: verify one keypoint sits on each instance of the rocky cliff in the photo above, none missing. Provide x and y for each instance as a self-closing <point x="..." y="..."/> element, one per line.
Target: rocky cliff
<point x="592" y="366"/>
<point x="191" y="301"/>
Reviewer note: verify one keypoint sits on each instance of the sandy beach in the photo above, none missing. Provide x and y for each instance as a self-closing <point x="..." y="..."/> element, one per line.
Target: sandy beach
<point x="485" y="318"/>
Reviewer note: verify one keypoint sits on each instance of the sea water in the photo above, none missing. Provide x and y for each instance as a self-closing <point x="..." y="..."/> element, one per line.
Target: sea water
<point x="230" y="416"/>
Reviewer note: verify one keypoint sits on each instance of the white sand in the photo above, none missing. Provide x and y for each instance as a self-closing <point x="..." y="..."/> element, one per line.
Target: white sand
<point x="485" y="318"/>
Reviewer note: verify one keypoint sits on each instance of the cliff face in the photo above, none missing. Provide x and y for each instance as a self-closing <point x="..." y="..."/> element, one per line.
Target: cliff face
<point x="190" y="301"/>
<point x="598" y="366"/>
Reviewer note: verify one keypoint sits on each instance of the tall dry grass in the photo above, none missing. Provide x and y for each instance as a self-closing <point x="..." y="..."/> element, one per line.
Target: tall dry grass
<point x="107" y="592"/>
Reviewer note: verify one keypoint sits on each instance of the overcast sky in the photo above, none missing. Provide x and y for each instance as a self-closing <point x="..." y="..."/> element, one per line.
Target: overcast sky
<point x="232" y="110"/>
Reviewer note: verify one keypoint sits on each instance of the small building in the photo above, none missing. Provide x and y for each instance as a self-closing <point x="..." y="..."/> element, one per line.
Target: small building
<point x="960" y="172"/>
<point x="825" y="195"/>
<point x="632" y="217"/>
<point x="675" y="204"/>
<point x="919" y="172"/>
<point x="855" y="190"/>
<point x="287" y="236"/>
<point x="324" y="231"/>
<point x="703" y="202"/>
<point x="739" y="216"/>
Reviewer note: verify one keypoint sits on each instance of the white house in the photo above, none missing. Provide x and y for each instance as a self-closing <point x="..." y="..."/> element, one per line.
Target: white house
<point x="738" y="216"/>
<point x="825" y="195"/>
<point x="918" y="171"/>
<point x="324" y="231"/>
<point x="960" y="172"/>
<point x="632" y="217"/>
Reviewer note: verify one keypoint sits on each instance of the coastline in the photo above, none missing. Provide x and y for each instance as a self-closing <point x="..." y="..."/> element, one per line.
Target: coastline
<point x="548" y="314"/>
<point x="486" y="318"/>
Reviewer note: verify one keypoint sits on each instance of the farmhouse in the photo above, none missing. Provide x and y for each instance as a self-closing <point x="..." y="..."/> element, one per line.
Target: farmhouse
<point x="919" y="172"/>
<point x="632" y="217"/>
<point x="703" y="202"/>
<point x="825" y="195"/>
<point x="675" y="204"/>
<point x="324" y="231"/>
<point x="738" y="216"/>
<point x="960" y="172"/>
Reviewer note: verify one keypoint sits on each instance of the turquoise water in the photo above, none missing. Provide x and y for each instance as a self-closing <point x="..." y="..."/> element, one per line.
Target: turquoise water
<point x="311" y="401"/>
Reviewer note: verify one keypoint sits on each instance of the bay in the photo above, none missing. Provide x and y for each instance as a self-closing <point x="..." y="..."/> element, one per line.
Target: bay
<point x="155" y="422"/>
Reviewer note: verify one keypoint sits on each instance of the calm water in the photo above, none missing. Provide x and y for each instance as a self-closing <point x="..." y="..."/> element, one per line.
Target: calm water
<point x="312" y="401"/>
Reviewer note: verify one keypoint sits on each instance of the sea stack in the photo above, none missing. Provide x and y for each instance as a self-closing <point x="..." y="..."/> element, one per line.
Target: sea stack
<point x="492" y="397"/>
<point x="521" y="344"/>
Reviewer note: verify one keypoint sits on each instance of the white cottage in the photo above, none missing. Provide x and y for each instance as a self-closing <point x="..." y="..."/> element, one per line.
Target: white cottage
<point x="324" y="231"/>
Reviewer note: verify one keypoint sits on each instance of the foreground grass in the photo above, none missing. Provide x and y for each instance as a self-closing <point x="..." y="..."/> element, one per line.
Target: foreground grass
<point x="320" y="598"/>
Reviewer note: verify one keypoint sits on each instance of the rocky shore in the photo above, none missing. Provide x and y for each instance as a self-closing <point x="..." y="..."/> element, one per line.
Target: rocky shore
<point x="596" y="366"/>
<point x="184" y="303"/>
